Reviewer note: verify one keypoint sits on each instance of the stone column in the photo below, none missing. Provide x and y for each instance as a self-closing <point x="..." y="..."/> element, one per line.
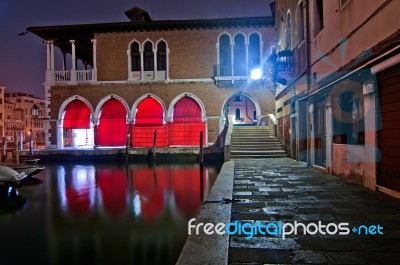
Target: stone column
<point x="246" y="44"/>
<point x="94" y="73"/>
<point x="155" y="63"/>
<point x="167" y="69"/>
<point x="141" y="64"/>
<point x="73" y="70"/>
<point x="60" y="135"/>
<point x="50" y="62"/>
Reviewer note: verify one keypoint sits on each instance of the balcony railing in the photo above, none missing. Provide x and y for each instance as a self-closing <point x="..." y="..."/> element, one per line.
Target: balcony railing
<point x="235" y="70"/>
<point x="282" y="67"/>
<point x="67" y="76"/>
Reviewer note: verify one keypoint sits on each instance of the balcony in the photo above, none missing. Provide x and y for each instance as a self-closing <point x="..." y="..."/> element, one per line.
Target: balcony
<point x="282" y="67"/>
<point x="237" y="75"/>
<point x="73" y="76"/>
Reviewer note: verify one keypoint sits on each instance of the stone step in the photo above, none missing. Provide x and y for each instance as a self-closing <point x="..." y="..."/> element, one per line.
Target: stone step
<point x="252" y="141"/>
<point x="254" y="147"/>
<point x="258" y="156"/>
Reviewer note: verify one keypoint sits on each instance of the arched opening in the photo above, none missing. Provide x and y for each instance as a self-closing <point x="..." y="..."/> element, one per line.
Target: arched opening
<point x="76" y="124"/>
<point x="241" y="109"/>
<point x="148" y="57"/>
<point x="149" y="118"/>
<point x="239" y="56"/>
<point x="162" y="56"/>
<point x="135" y="57"/>
<point x="225" y="61"/>
<point x="112" y="128"/>
<point x="186" y="123"/>
<point x="254" y="51"/>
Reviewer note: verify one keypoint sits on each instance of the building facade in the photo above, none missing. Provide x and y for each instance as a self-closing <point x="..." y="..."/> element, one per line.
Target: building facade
<point x="2" y="104"/>
<point x="24" y="115"/>
<point x="336" y="72"/>
<point x="118" y="83"/>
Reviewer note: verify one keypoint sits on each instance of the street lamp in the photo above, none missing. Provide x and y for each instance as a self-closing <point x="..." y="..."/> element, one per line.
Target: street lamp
<point x="256" y="74"/>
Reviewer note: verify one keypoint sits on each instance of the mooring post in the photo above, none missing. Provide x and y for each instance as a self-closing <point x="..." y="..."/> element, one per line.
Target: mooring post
<point x="128" y="140"/>
<point x="201" y="148"/>
<point x="4" y="150"/>
<point x="154" y="145"/>
<point x="16" y="154"/>
<point x="30" y="142"/>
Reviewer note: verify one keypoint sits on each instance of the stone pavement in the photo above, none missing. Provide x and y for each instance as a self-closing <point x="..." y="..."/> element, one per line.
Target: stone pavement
<point x="280" y="189"/>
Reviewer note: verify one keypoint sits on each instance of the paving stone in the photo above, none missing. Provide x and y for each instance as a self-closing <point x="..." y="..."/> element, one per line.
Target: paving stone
<point x="299" y="193"/>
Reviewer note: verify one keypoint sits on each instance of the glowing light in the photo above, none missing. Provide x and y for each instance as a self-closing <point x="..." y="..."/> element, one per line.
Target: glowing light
<point x="256" y="74"/>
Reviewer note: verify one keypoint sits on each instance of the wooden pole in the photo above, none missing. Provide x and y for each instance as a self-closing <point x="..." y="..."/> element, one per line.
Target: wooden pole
<point x="128" y="141"/>
<point x="4" y="150"/>
<point x="16" y="154"/>
<point x="30" y="142"/>
<point x="201" y="148"/>
<point x="154" y="145"/>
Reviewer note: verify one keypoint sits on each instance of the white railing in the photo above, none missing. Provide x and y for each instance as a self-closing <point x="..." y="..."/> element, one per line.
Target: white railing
<point x="62" y="76"/>
<point x="66" y="76"/>
<point x="84" y="75"/>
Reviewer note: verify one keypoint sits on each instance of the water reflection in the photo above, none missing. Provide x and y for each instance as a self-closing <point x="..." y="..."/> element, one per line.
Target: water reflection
<point x="146" y="193"/>
<point x="10" y="200"/>
<point x="104" y="214"/>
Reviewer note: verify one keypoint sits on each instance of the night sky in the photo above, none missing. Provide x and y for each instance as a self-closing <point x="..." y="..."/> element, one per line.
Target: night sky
<point x="23" y="58"/>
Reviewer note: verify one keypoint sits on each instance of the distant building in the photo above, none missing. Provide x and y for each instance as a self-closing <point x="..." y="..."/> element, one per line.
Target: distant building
<point x="24" y="114"/>
<point x="337" y="75"/>
<point x="2" y="89"/>
<point x="176" y="77"/>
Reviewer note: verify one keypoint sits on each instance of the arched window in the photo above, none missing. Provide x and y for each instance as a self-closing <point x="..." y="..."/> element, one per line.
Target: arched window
<point x="239" y="56"/>
<point x="148" y="57"/>
<point x="225" y="61"/>
<point x="254" y="51"/>
<point x="135" y="57"/>
<point x="161" y="56"/>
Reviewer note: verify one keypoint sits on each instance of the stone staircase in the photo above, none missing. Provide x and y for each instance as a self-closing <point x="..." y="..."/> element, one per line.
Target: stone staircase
<point x="255" y="142"/>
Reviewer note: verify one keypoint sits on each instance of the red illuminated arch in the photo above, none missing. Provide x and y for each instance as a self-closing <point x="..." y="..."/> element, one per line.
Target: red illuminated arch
<point x="186" y="123"/>
<point x="77" y="115"/>
<point x="148" y="119"/>
<point x="112" y="128"/>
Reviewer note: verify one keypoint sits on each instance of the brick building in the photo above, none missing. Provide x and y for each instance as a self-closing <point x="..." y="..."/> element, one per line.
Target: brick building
<point x="2" y="89"/>
<point x="24" y="114"/>
<point x="336" y="72"/>
<point x="176" y="77"/>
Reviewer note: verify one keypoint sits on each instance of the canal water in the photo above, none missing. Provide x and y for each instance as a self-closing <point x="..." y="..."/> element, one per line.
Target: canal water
<point x="102" y="213"/>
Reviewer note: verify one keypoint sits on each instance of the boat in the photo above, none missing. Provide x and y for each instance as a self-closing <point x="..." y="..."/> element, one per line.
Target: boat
<point x="10" y="177"/>
<point x="29" y="167"/>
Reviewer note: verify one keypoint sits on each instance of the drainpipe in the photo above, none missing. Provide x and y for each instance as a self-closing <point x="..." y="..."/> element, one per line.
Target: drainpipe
<point x="308" y="75"/>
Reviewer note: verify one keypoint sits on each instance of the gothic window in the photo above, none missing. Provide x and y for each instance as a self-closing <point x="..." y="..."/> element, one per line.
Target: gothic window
<point x="161" y="56"/>
<point x="135" y="57"/>
<point x="254" y="51"/>
<point x="225" y="55"/>
<point x="148" y="56"/>
<point x="239" y="55"/>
